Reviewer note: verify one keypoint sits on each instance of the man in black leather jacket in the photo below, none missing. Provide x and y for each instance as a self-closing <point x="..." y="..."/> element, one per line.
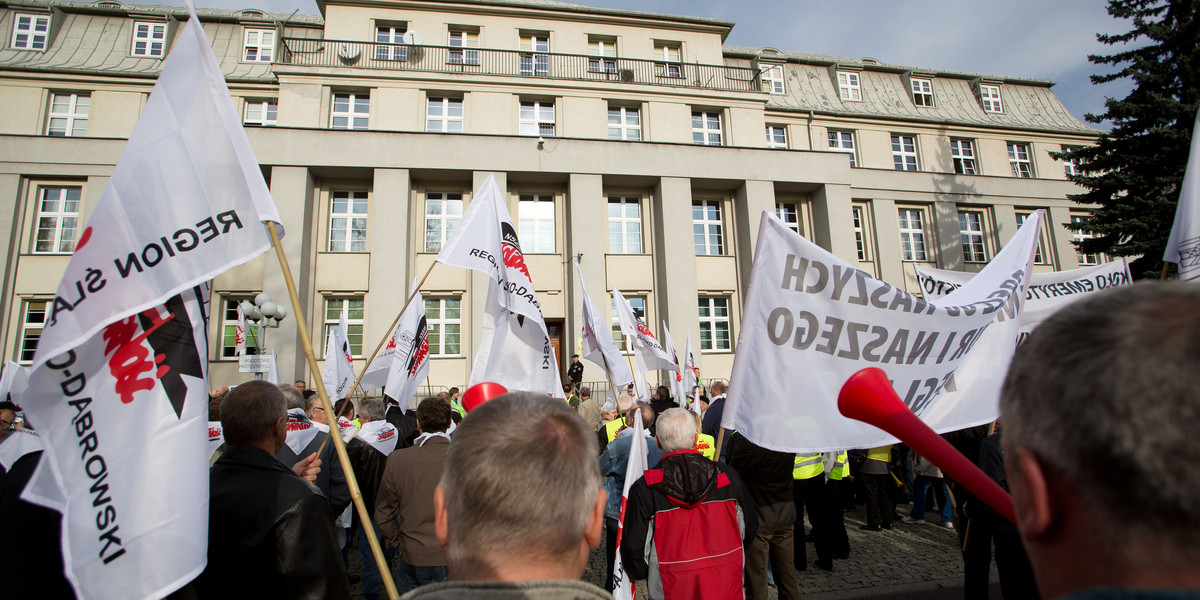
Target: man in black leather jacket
<point x="270" y="533"/>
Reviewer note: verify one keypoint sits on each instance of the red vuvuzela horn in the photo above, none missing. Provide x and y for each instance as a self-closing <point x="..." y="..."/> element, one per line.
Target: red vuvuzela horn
<point x="480" y="393"/>
<point x="868" y="397"/>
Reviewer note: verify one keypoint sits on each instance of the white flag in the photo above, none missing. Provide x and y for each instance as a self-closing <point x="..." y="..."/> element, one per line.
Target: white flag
<point x="691" y="373"/>
<point x="677" y="388"/>
<point x="1183" y="247"/>
<point x="515" y="352"/>
<point x="644" y="343"/>
<point x="239" y="333"/>
<point x="486" y="241"/>
<point x="118" y="388"/>
<point x="811" y="320"/>
<point x="339" y="363"/>
<point x="598" y="344"/>
<point x="640" y="386"/>
<point x="273" y="370"/>
<point x="1047" y="293"/>
<point x="13" y="382"/>
<point x="634" y="469"/>
<point x="410" y="364"/>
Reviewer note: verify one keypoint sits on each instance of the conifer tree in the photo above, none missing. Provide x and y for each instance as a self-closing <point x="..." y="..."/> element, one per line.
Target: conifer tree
<point x="1133" y="174"/>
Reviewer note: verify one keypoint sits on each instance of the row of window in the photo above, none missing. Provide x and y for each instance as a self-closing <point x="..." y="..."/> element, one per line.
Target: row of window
<point x="57" y="220"/>
<point x="68" y="116"/>
<point x="971" y="228"/>
<point x="904" y="152"/>
<point x="443" y="316"/>
<point x="149" y="39"/>
<point x="850" y="89"/>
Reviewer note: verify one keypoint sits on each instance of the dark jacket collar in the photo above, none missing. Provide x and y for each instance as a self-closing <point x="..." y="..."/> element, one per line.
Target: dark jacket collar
<point x="249" y="456"/>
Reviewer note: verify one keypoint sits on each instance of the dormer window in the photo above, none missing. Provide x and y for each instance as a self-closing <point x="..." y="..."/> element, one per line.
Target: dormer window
<point x="149" y="39"/>
<point x="922" y="91"/>
<point x="989" y="95"/>
<point x="848" y="86"/>
<point x="30" y="32"/>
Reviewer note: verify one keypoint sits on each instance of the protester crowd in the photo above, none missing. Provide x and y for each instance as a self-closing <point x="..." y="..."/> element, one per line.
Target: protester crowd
<point x="508" y="501"/>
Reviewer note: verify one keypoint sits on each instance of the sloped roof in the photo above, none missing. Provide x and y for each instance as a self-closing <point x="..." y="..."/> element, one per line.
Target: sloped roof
<point x="96" y="38"/>
<point x="809" y="86"/>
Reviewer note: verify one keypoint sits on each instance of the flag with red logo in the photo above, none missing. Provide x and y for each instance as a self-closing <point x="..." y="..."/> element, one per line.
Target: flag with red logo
<point x="623" y="587"/>
<point x="339" y="363"/>
<point x="410" y="363"/>
<point x="486" y="241"/>
<point x="645" y="345"/>
<point x="515" y="346"/>
<point x="119" y="388"/>
<point x="514" y="351"/>
<point x="597" y="341"/>
<point x="378" y="372"/>
<point x="677" y="388"/>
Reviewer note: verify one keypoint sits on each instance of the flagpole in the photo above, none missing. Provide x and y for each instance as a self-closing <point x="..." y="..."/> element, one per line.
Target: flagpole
<point x="355" y="494"/>
<point x="1164" y="273"/>
<point x="388" y="335"/>
<point x="373" y="354"/>
<point x="629" y="359"/>
<point x="608" y="375"/>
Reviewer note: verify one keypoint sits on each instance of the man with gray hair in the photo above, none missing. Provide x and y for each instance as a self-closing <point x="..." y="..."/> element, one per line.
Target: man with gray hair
<point x="1099" y="412"/>
<point x="270" y="534"/>
<point x="685" y="494"/>
<point x="519" y="505"/>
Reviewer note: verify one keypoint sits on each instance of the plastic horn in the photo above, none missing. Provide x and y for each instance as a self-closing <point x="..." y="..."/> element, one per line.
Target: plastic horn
<point x="868" y="397"/>
<point x="480" y="393"/>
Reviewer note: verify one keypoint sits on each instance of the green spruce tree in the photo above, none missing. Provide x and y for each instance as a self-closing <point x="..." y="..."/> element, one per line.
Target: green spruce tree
<point x="1133" y="174"/>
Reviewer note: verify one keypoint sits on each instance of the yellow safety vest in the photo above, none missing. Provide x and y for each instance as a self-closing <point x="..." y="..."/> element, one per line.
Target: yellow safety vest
<point x="707" y="446"/>
<point x="807" y="466"/>
<point x="613" y="427"/>
<point x="841" y="466"/>
<point x="882" y="453"/>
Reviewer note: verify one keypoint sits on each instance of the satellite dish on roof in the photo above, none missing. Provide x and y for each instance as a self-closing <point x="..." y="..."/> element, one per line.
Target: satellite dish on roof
<point x="414" y="38"/>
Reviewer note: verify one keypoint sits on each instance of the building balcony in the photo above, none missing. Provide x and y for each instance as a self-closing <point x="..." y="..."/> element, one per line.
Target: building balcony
<point x="513" y="63"/>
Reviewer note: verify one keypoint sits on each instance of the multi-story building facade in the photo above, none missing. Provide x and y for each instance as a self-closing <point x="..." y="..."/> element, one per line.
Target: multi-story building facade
<point x="638" y="142"/>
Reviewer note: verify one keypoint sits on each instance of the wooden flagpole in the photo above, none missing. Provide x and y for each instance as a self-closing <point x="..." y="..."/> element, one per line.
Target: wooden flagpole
<point x="355" y="494"/>
<point x="611" y="385"/>
<point x="1164" y="272"/>
<point x="386" y="337"/>
<point x="629" y="359"/>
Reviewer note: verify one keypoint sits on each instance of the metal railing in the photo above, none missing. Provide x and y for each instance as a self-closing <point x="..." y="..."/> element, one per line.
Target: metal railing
<point x="513" y="63"/>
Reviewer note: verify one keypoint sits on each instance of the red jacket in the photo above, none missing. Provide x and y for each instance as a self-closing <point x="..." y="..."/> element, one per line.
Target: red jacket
<point x="686" y="524"/>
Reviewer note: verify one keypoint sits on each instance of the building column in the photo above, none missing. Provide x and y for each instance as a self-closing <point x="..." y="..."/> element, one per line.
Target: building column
<point x="292" y="191"/>
<point x="947" y="236"/>
<point x="1065" y="255"/>
<point x="587" y="233"/>
<point x="11" y="222"/>
<point x="749" y="202"/>
<point x="888" y="259"/>
<point x="833" y="221"/>
<point x="675" y="290"/>
<point x="390" y="278"/>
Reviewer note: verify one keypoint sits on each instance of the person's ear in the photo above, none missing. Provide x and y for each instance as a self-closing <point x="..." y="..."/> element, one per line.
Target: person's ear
<point x="596" y="523"/>
<point x="280" y="432"/>
<point x="1032" y="493"/>
<point x="441" y="519"/>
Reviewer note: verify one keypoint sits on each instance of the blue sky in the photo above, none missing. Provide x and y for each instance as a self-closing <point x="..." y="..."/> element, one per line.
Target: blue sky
<point x="1036" y="39"/>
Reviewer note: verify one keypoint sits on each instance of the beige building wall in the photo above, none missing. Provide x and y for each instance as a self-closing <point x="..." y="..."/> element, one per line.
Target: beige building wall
<point x="398" y="164"/>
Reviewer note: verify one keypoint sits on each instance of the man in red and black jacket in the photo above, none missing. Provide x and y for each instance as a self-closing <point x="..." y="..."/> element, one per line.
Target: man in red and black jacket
<point x="697" y="551"/>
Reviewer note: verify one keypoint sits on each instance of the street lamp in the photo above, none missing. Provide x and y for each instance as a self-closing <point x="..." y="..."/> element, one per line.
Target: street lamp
<point x="263" y="313"/>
